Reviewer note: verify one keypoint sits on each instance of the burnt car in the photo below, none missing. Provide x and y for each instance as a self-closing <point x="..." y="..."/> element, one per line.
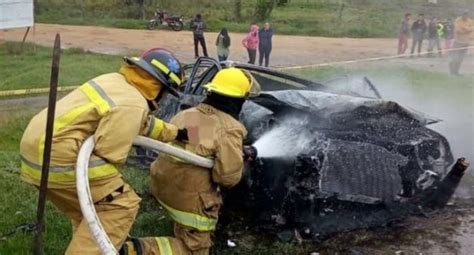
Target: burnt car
<point x="348" y="159"/>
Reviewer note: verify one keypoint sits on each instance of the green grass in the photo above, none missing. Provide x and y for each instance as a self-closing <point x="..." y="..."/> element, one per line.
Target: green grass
<point x="19" y="201"/>
<point x="413" y="77"/>
<point x="355" y="18"/>
<point x="32" y="68"/>
<point x="438" y="94"/>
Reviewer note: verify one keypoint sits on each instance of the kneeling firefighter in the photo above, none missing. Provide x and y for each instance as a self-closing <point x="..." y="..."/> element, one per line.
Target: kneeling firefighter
<point x="115" y="108"/>
<point x="190" y="194"/>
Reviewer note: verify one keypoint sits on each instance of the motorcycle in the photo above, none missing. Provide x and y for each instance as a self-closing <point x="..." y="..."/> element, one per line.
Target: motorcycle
<point x="162" y="18"/>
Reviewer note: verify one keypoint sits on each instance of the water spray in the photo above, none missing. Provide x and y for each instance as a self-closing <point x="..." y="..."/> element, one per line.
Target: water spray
<point x="288" y="139"/>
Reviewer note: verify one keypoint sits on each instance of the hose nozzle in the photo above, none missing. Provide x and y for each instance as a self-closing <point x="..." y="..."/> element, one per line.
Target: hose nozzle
<point x="250" y="153"/>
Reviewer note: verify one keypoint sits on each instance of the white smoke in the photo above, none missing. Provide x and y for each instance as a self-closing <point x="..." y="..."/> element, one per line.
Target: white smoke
<point x="285" y="140"/>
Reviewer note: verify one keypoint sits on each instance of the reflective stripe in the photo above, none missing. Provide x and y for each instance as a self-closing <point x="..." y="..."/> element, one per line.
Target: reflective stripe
<point x="97" y="96"/>
<point x="60" y="123"/>
<point x="97" y="169"/>
<point x="131" y="249"/>
<point x="92" y="163"/>
<point x="167" y="71"/>
<point x="155" y="129"/>
<point x="199" y="222"/>
<point x="164" y="245"/>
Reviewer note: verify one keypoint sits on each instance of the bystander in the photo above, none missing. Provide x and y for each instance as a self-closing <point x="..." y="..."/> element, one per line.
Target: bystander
<point x="418" y="30"/>
<point x="462" y="40"/>
<point x="404" y="34"/>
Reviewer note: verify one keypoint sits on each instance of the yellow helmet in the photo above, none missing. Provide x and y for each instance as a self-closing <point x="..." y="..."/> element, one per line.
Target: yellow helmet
<point x="231" y="82"/>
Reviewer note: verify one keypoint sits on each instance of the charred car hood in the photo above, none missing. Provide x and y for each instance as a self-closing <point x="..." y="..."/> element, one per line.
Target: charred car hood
<point x="359" y="156"/>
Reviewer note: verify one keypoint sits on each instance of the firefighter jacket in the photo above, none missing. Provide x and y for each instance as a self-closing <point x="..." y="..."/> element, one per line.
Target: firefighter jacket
<point x="109" y="108"/>
<point x="190" y="193"/>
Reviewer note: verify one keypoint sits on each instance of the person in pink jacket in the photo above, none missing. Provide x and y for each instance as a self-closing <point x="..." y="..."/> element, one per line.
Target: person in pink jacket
<point x="250" y="42"/>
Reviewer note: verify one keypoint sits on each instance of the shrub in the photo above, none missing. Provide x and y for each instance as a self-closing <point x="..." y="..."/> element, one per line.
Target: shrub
<point x="263" y="9"/>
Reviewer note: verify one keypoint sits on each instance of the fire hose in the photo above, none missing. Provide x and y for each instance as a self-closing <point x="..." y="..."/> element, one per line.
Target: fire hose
<point x="83" y="190"/>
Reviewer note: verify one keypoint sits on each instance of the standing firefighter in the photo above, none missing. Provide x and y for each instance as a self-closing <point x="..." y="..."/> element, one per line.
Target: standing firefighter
<point x="189" y="193"/>
<point x="115" y="108"/>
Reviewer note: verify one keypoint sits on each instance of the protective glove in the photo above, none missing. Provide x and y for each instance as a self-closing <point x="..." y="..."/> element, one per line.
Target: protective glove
<point x="250" y="153"/>
<point x="182" y="135"/>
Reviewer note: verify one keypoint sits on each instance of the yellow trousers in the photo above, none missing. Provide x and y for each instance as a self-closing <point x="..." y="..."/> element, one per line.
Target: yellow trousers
<point x="116" y="205"/>
<point x="187" y="241"/>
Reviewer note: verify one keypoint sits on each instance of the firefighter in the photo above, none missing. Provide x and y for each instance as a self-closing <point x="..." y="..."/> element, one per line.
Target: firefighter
<point x="114" y="108"/>
<point x="191" y="194"/>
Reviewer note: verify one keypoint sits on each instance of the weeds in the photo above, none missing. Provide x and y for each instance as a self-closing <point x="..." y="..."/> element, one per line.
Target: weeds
<point x="31" y="69"/>
<point x="18" y="200"/>
<point x="361" y="18"/>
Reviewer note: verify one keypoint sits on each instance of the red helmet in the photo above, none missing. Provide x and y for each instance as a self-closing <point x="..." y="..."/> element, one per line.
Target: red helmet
<point x="162" y="65"/>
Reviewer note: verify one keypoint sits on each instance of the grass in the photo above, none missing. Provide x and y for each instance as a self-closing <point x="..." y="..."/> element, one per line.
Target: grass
<point x="413" y="77"/>
<point x="435" y="93"/>
<point x="32" y="68"/>
<point x="333" y="18"/>
<point x="19" y="201"/>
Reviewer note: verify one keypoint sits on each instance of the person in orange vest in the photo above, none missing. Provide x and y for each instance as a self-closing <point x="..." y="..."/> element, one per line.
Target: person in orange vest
<point x="462" y="39"/>
<point x="114" y="108"/>
<point x="191" y="194"/>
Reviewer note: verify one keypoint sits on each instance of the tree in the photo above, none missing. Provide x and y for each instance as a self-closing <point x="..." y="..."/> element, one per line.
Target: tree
<point x="36" y="8"/>
<point x="238" y="10"/>
<point x="141" y="4"/>
<point x="263" y="9"/>
<point x="282" y="2"/>
<point x="83" y="8"/>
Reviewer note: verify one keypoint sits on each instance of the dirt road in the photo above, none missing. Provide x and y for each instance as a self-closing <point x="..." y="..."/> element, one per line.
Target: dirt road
<point x="287" y="50"/>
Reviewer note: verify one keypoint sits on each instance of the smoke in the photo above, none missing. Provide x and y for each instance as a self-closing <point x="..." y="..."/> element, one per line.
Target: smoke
<point x="443" y="99"/>
<point x="450" y="102"/>
<point x="286" y="140"/>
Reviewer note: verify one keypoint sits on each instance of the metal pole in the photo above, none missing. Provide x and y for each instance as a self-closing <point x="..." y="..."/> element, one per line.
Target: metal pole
<point x="38" y="241"/>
